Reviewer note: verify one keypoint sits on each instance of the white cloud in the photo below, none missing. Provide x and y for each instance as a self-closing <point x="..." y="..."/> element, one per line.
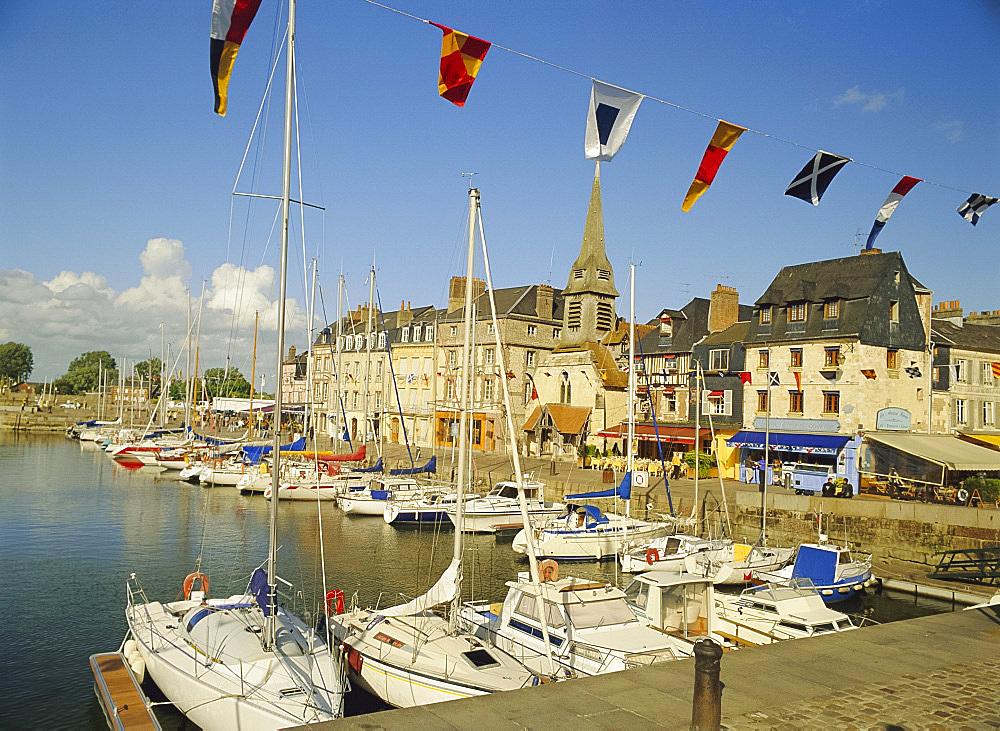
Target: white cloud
<point x="952" y="129"/>
<point x="870" y="101"/>
<point x="76" y="312"/>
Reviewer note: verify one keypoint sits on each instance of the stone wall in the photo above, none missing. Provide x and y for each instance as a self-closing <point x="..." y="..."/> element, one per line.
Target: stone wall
<point x="905" y="531"/>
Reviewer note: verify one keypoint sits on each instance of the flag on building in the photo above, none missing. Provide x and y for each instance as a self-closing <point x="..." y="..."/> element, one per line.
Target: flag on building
<point x="912" y="372"/>
<point x="534" y="391"/>
<point x="230" y="21"/>
<point x="608" y="120"/>
<point x="746" y="377"/>
<point x="975" y="207"/>
<point x="722" y="142"/>
<point x="772" y="379"/>
<point x="996" y="369"/>
<point x="812" y="181"/>
<point x="798" y="380"/>
<point x="903" y="187"/>
<point x="869" y="373"/>
<point x="461" y="57"/>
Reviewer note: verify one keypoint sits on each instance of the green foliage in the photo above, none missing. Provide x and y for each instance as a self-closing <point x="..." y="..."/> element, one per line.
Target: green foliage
<point x="989" y="489"/>
<point x="86" y="371"/>
<point x="705" y="462"/>
<point x="233" y="384"/>
<point x="142" y="371"/>
<point x="16" y="362"/>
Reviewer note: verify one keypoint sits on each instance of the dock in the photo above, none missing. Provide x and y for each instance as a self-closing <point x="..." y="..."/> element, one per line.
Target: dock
<point x="931" y="672"/>
<point x="125" y="705"/>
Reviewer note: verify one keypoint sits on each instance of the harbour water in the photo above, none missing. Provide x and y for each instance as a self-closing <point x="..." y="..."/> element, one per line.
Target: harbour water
<point x="74" y="525"/>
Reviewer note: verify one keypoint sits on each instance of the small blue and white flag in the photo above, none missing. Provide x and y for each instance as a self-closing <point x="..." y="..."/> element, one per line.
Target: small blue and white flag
<point x="772" y="379"/>
<point x="975" y="207"/>
<point x="903" y="187"/>
<point x="609" y="120"/>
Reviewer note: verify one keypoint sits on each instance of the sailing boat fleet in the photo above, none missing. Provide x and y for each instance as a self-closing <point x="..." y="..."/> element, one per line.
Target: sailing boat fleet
<point x="246" y="661"/>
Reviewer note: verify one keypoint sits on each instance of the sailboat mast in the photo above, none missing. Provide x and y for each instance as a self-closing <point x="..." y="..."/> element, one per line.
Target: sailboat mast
<point x="253" y="371"/>
<point x="310" y="358"/>
<point x="463" y="419"/>
<point x="340" y="341"/>
<point x="631" y="379"/>
<point x="368" y="350"/>
<point x="270" y="628"/>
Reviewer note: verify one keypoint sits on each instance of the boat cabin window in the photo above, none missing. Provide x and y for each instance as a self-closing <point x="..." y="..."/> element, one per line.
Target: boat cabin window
<point x="825" y="627"/>
<point x="480" y="659"/>
<point x="527" y="607"/>
<point x="793" y="625"/>
<point x="637" y="593"/>
<point x="844" y="557"/>
<point x="600" y="613"/>
<point x="682" y="608"/>
<point x="507" y="491"/>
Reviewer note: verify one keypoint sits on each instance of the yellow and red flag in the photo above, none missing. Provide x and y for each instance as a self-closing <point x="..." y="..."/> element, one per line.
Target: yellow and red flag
<point x="230" y="21"/>
<point x="461" y="57"/>
<point x="996" y="369"/>
<point x="722" y="142"/>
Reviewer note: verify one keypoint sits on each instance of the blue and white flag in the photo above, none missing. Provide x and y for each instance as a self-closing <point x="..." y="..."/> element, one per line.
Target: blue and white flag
<point x="903" y="187"/>
<point x="975" y="207"/>
<point x="609" y="119"/>
<point x="772" y="379"/>
<point x="813" y="180"/>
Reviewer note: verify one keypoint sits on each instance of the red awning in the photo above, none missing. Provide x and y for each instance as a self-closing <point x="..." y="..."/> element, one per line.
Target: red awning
<point x="646" y="433"/>
<point x="715" y="393"/>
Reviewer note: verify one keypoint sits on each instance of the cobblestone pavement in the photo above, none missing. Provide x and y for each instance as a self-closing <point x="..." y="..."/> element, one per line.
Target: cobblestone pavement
<point x="959" y="696"/>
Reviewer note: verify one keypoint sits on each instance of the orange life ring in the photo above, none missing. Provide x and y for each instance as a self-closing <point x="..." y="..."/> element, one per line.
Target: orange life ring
<point x="217" y="463"/>
<point x="548" y="570"/>
<point x="335" y="601"/>
<point x="189" y="583"/>
<point x="652" y="556"/>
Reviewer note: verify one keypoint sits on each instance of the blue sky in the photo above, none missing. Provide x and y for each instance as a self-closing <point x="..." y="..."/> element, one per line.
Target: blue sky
<point x="116" y="174"/>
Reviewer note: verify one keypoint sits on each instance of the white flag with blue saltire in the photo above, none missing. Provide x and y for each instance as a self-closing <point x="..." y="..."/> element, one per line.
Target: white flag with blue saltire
<point x="609" y="120"/>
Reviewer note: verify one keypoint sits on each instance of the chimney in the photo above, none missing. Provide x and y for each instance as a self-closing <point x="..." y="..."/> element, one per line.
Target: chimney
<point x="456" y="292"/>
<point x="950" y="311"/>
<point x="543" y="301"/>
<point x="724" y="309"/>
<point x="291" y="353"/>
<point x="405" y="315"/>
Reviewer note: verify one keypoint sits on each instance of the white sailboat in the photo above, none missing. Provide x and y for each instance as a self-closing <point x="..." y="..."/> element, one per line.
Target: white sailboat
<point x="244" y="661"/>
<point x="407" y="655"/>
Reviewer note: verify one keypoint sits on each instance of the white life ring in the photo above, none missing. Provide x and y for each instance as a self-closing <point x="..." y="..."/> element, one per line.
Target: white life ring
<point x="962" y="495"/>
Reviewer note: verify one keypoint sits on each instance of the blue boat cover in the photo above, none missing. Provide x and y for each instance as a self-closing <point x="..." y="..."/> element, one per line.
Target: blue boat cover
<point x="816" y="564"/>
<point x="253" y="453"/>
<point x="377" y="467"/>
<point x="380" y="494"/>
<point x="623" y="491"/>
<point x="259" y="589"/>
<point x="594" y="515"/>
<point x="431" y="466"/>
<point x="809" y="443"/>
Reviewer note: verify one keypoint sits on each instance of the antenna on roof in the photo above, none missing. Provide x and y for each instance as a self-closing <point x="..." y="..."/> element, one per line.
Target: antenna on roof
<point x="470" y="178"/>
<point x="857" y="239"/>
<point x="685" y="288"/>
<point x="552" y="257"/>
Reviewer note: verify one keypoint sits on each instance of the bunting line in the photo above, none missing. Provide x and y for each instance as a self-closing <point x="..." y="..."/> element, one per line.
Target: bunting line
<point x="759" y="133"/>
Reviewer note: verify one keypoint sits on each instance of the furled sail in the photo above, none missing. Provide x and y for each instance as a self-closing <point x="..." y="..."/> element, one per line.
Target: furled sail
<point x="442" y="591"/>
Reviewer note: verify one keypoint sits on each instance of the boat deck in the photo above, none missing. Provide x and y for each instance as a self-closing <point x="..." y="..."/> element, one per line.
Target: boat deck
<point x="123" y="701"/>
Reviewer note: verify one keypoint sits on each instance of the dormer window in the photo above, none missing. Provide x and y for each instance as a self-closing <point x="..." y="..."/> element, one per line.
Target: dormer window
<point x="797" y="312"/>
<point x="831" y="309"/>
<point x="894" y="311"/>
<point x="417" y="329"/>
<point x="765" y="315"/>
<point x="666" y="326"/>
<point x="406" y="335"/>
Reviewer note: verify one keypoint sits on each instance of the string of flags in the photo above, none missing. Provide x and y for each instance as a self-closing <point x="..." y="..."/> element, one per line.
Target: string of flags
<point x="610" y="115"/>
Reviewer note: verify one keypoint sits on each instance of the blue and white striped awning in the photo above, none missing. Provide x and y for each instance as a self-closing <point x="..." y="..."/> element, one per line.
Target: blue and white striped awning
<point x="786" y="442"/>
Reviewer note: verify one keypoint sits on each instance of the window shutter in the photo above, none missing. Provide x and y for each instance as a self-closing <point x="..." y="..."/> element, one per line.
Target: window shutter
<point x="727" y="402"/>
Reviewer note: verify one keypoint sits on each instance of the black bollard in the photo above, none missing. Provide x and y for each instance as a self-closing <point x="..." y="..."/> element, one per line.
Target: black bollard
<point x="706" y="710"/>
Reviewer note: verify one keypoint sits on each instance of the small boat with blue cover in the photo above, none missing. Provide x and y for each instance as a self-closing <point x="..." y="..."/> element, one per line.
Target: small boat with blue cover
<point x="835" y="571"/>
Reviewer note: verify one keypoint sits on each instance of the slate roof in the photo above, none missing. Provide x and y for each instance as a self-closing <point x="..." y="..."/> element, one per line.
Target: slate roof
<point x="981" y="338"/>
<point x="520" y="300"/>
<point x="735" y="333"/>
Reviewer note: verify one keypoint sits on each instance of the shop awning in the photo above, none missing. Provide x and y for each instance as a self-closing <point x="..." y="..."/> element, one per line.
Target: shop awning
<point x="944" y="449"/>
<point x="808" y="443"/>
<point x="646" y="433"/>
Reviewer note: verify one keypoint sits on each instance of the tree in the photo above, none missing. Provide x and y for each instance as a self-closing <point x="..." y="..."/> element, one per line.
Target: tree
<point x="16" y="362"/>
<point x="142" y="371"/>
<point x="85" y="372"/>
<point x="233" y="384"/>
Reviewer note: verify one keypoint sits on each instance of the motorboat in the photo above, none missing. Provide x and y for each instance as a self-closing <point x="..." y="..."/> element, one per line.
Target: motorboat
<point x="499" y="509"/>
<point x="591" y="628"/>
<point x="663" y="552"/>
<point x="584" y="533"/>
<point x="372" y="499"/>
<point x="835" y="571"/>
<point x="730" y="562"/>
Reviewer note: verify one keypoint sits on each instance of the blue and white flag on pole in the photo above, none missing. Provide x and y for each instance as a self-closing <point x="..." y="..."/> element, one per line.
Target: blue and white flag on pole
<point x="609" y="119"/>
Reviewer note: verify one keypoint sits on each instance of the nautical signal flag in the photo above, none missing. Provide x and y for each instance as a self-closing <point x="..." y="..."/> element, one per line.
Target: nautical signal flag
<point x="745" y="377"/>
<point x="722" y="142"/>
<point x="609" y="120"/>
<point x="534" y="391"/>
<point x="869" y="373"/>
<point x="903" y="187"/>
<point x="812" y="181"/>
<point x="772" y="379"/>
<point x="230" y="21"/>
<point x="996" y="369"/>
<point x="975" y="207"/>
<point x="461" y="58"/>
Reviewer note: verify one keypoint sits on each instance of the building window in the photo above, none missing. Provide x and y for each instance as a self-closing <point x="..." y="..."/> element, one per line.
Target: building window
<point x="763" y="358"/>
<point x="489" y="387"/>
<point x="578" y="274"/>
<point x="960" y="372"/>
<point x="988" y="413"/>
<point x="378" y="367"/>
<point x="795" y="358"/>
<point x="797" y="312"/>
<point x="488" y="356"/>
<point x="378" y="399"/>
<point x="831" y="402"/>
<point x="892" y="359"/>
<point x="605" y="316"/>
<point x="527" y="391"/>
<point x="670" y="402"/>
<point x="603" y="275"/>
<point x="452" y="358"/>
<point x="831" y="309"/>
<point x="355" y="399"/>
<point x="406" y="335"/>
<point x="718" y="360"/>
<point x="960" y="415"/>
<point x="716" y="403"/>
<point x="894" y="311"/>
<point x="381" y="341"/>
<point x="574" y="315"/>
<point x="765" y="315"/>
<point x="565" y="392"/>
<point x="556" y="333"/>
<point x="453" y="331"/>
<point x="417" y="330"/>
<point x="429" y="334"/>
<point x="450" y="390"/>
<point x="532" y="330"/>
<point x="795" y="402"/>
<point x="762" y="401"/>
<point x="529" y="358"/>
<point x="831" y="357"/>
<point x="490" y="330"/>
<point x="987" y="373"/>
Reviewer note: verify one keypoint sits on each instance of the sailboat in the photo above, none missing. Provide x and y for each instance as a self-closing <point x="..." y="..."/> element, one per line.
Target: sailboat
<point x="407" y="655"/>
<point x="242" y="661"/>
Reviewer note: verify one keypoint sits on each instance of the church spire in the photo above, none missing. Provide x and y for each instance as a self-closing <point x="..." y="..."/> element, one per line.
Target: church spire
<point x="592" y="271"/>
